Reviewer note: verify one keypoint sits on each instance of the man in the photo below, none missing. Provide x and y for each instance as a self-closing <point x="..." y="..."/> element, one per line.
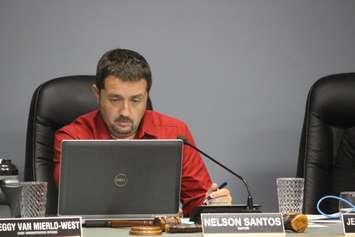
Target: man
<point x="123" y="81"/>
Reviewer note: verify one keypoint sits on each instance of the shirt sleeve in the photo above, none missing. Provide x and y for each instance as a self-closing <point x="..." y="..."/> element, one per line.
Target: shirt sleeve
<point x="195" y="178"/>
<point x="59" y="136"/>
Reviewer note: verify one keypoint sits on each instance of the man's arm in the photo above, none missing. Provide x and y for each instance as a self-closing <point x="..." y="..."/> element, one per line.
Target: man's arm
<point x="59" y="136"/>
<point x="196" y="184"/>
<point x="195" y="178"/>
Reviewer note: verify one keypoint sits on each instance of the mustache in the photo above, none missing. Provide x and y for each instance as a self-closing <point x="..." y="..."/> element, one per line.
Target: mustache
<point x="122" y="118"/>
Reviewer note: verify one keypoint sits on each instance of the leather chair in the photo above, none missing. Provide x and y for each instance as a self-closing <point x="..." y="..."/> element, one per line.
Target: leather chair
<point x="54" y="104"/>
<point x="327" y="148"/>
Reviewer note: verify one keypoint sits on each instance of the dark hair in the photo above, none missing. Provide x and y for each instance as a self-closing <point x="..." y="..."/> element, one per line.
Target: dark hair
<point x="125" y="64"/>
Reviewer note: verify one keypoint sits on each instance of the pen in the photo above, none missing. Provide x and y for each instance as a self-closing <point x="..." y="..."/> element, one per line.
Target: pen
<point x="222" y="185"/>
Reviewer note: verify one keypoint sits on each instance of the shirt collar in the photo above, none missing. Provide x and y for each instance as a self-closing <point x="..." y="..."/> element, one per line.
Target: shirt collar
<point x="147" y="128"/>
<point x="102" y="131"/>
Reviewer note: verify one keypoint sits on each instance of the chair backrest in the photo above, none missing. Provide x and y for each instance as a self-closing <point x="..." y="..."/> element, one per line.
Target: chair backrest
<point x="54" y="104"/>
<point x="327" y="148"/>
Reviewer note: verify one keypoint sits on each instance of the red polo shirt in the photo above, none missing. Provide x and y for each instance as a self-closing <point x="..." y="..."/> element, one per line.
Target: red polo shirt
<point x="195" y="178"/>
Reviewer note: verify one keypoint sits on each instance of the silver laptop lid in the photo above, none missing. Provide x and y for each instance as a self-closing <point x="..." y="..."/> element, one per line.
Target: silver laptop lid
<point x="113" y="179"/>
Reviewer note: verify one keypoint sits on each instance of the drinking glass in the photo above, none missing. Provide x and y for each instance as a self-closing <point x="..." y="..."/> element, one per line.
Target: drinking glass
<point x="290" y="195"/>
<point x="345" y="207"/>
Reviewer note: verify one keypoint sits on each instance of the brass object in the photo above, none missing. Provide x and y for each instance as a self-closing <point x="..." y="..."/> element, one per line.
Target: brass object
<point x="296" y="222"/>
<point x="166" y="221"/>
<point x="145" y="230"/>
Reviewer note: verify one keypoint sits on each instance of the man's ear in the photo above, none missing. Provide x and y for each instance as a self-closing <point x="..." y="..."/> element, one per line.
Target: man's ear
<point x="96" y="91"/>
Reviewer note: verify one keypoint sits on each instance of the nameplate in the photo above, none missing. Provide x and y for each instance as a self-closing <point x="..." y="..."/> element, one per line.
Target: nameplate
<point x="41" y="226"/>
<point x="349" y="224"/>
<point x="240" y="224"/>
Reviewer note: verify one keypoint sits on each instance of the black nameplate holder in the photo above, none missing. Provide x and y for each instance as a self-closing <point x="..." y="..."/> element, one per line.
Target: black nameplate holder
<point x="348" y="224"/>
<point x="236" y="208"/>
<point x="242" y="224"/>
<point x="41" y="227"/>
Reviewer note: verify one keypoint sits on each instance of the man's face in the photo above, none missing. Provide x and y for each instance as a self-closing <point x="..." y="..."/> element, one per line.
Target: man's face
<point x="122" y="105"/>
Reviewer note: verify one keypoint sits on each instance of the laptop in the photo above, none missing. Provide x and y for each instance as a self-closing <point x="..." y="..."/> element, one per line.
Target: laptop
<point x="120" y="179"/>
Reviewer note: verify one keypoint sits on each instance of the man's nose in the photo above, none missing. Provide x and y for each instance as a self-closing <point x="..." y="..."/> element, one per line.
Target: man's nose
<point x="125" y="109"/>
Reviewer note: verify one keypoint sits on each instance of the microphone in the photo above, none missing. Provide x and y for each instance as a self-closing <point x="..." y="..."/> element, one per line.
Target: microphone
<point x="250" y="204"/>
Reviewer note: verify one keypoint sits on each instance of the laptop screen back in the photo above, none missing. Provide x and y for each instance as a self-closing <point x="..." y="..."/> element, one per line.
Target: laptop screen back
<point x="120" y="178"/>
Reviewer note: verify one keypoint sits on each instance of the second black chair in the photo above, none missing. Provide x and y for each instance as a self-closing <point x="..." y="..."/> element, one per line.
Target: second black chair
<point x="327" y="148"/>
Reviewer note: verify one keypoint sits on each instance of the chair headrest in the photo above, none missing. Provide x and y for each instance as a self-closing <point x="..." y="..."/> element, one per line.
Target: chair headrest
<point x="332" y="99"/>
<point x="71" y="94"/>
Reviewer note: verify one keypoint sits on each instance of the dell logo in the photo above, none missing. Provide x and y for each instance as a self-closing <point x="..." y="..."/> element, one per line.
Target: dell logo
<point x="120" y="180"/>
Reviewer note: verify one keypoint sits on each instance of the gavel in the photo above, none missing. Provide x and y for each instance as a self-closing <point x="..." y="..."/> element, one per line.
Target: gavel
<point x="163" y="222"/>
<point x="295" y="222"/>
<point x="148" y="227"/>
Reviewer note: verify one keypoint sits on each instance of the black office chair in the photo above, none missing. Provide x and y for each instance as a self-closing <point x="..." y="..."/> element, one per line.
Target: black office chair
<point x="54" y="104"/>
<point x="327" y="148"/>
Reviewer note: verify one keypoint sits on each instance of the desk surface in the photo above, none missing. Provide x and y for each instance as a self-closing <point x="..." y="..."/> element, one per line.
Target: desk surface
<point x="332" y="229"/>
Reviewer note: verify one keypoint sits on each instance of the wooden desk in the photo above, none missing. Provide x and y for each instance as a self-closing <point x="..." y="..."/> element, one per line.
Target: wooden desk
<point x="332" y="230"/>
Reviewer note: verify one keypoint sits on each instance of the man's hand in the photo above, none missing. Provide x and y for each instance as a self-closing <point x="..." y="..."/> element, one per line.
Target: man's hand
<point x="215" y="196"/>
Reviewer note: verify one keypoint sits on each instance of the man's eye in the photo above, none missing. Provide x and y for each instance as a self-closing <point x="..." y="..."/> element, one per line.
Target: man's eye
<point x="136" y="100"/>
<point x="114" y="99"/>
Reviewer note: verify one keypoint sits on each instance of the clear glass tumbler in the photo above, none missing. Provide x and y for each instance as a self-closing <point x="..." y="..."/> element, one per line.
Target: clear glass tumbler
<point x="33" y="199"/>
<point x="345" y="207"/>
<point x="290" y="195"/>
